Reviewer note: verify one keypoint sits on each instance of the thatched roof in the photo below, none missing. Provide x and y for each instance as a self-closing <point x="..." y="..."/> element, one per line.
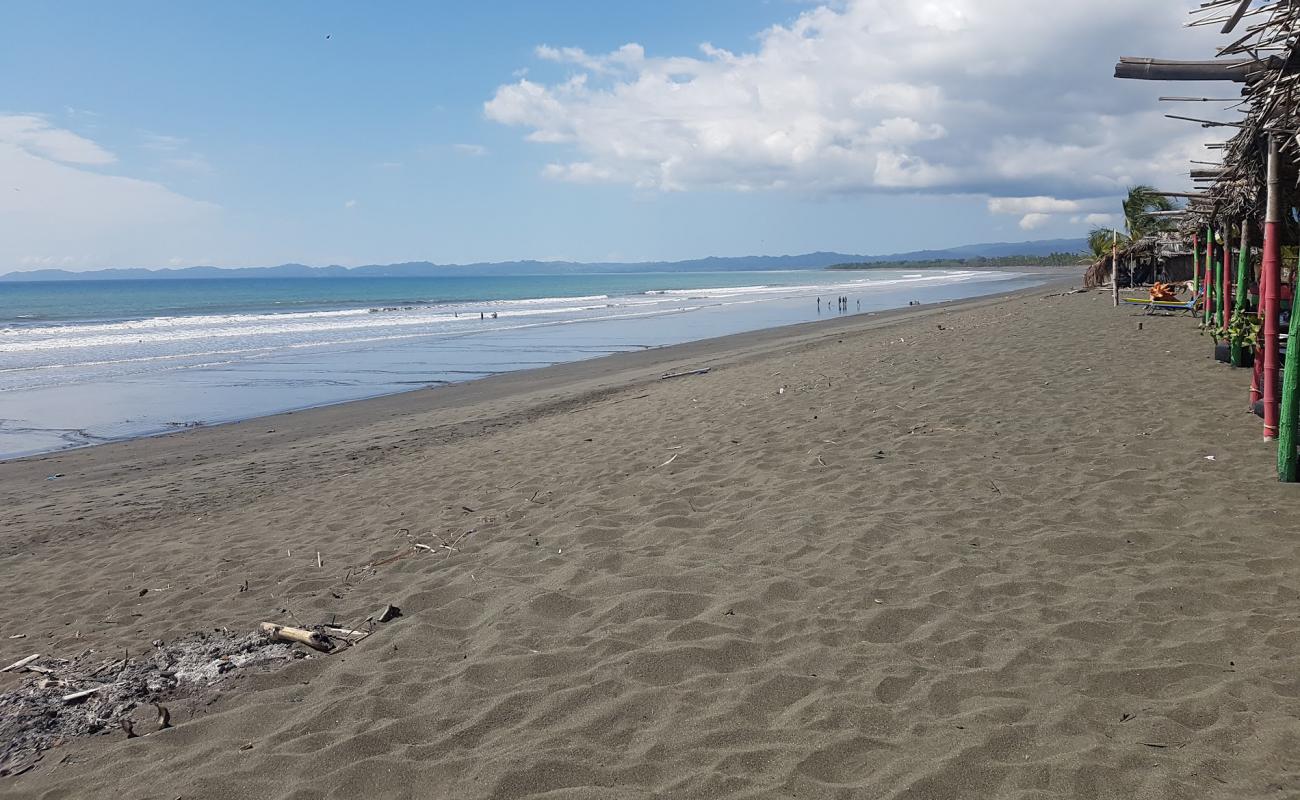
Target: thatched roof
<point x="1261" y="57"/>
<point x="1157" y="247"/>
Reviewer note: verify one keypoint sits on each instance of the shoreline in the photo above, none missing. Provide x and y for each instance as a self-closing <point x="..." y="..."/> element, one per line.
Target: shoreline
<point x="531" y="374"/>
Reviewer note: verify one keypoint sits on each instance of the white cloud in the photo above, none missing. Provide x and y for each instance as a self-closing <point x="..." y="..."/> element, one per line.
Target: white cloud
<point x="1026" y="205"/>
<point x="350" y="204"/>
<point x="35" y="135"/>
<point x="1099" y="219"/>
<point x="56" y="212"/>
<point x="946" y="96"/>
<point x="474" y="150"/>
<point x="629" y="55"/>
<point x="1035" y="220"/>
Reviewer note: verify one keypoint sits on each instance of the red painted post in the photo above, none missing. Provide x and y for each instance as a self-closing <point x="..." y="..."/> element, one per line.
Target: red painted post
<point x="1257" y="368"/>
<point x="1272" y="290"/>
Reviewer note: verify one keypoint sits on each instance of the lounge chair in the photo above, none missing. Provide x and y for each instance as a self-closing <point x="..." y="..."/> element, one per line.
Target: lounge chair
<point x="1166" y="306"/>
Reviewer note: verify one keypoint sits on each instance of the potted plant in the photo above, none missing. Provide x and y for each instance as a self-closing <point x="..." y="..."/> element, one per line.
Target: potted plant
<point x="1241" y="336"/>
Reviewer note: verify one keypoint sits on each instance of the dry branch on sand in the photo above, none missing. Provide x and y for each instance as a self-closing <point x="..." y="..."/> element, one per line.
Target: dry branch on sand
<point x="286" y="633"/>
<point x="704" y="371"/>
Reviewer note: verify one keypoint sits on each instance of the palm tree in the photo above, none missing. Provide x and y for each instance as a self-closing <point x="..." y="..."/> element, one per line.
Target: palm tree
<point x="1139" y="204"/>
<point x="1099" y="241"/>
<point x="1138" y="222"/>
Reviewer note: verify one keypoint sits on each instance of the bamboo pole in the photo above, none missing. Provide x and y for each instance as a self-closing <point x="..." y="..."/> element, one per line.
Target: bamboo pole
<point x="1209" y="276"/>
<point x="1236" y="16"/>
<point x="1272" y="278"/>
<point x="1216" y="313"/>
<point x="1114" y="267"/>
<point x="1196" y="265"/>
<point x="1225" y="295"/>
<point x="1257" y="372"/>
<point x="1156" y="69"/>
<point x="1243" y="265"/>
<point x="1286" y="453"/>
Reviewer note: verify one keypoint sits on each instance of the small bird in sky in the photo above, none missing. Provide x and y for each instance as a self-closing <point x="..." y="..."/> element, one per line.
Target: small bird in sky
<point x="327" y="36"/>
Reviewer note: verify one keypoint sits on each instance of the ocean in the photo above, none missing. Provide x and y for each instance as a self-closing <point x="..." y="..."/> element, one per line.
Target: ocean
<point x="83" y="362"/>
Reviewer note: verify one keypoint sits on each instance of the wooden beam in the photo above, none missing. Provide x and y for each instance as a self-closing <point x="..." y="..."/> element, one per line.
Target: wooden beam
<point x="1207" y="123"/>
<point x="1158" y="69"/>
<point x="1236" y="16"/>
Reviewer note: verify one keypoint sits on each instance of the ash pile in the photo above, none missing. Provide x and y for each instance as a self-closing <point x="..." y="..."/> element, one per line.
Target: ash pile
<point x="61" y="699"/>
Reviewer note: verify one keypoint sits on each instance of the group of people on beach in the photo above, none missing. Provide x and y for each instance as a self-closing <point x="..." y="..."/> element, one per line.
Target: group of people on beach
<point x="841" y="303"/>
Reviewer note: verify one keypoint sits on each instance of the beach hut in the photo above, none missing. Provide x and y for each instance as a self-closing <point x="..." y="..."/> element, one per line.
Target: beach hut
<point x="1247" y="196"/>
<point x="1164" y="257"/>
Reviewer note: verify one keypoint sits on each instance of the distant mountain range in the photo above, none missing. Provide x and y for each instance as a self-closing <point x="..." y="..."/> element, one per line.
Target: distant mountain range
<point x="421" y="269"/>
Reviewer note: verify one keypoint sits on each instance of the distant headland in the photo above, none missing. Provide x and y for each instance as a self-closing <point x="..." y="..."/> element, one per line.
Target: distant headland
<point x="1008" y="252"/>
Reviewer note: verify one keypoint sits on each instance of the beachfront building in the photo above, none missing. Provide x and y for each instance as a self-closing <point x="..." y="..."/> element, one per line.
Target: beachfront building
<point x="1166" y="257"/>
<point x="1240" y="217"/>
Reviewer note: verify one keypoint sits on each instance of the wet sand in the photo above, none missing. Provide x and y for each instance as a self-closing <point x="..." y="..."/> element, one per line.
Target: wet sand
<point x="975" y="551"/>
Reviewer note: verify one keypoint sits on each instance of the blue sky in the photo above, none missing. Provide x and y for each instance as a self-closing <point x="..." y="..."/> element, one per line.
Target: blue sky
<point x="157" y="133"/>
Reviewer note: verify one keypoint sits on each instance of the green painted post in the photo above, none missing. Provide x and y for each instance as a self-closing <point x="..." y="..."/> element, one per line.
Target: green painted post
<point x="1216" y="290"/>
<point x="1243" y="267"/>
<point x="1286" y="455"/>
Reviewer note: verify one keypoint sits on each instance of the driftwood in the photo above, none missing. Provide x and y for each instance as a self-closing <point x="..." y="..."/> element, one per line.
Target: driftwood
<point x="704" y="371"/>
<point x="75" y="696"/>
<point x="22" y="662"/>
<point x="284" y="633"/>
<point x="349" y="636"/>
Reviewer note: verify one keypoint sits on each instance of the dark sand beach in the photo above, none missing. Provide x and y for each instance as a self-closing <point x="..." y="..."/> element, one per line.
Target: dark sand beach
<point x="1008" y="548"/>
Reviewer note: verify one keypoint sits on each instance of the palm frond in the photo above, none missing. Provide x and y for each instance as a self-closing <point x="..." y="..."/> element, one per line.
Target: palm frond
<point x="1101" y="239"/>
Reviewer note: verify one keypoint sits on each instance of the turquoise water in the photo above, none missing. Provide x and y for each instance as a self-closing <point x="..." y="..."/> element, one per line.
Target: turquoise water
<point x="83" y="362"/>
<point x="111" y="301"/>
